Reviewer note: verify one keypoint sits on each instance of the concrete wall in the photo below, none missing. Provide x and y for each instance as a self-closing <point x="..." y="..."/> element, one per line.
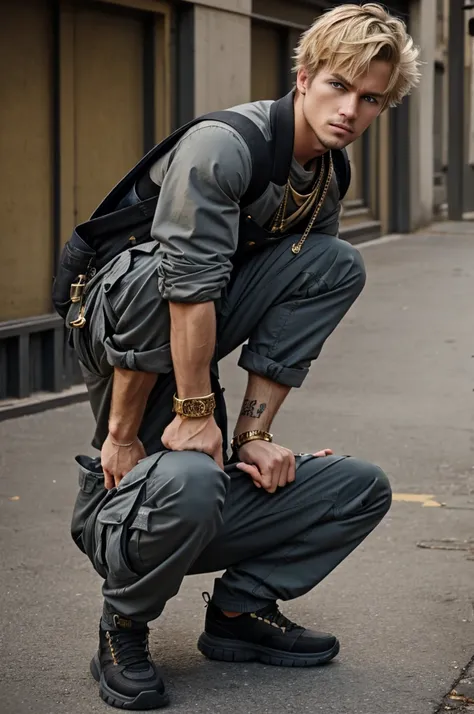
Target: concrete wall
<point x="423" y="29"/>
<point x="222" y="58"/>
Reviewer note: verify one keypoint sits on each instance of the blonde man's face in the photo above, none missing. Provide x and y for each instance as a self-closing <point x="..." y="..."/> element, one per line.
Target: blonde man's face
<point x="338" y="111"/>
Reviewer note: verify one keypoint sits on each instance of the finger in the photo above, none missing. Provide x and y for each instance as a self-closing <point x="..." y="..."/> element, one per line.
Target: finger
<point x="284" y="473"/>
<point x="251" y="470"/>
<point x="280" y="473"/>
<point x="291" y="468"/>
<point x="275" y="474"/>
<point x="118" y="478"/>
<point x="108" y="480"/>
<point x="266" y="478"/>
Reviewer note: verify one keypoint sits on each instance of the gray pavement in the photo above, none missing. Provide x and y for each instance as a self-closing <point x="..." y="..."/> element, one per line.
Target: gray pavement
<point x="394" y="385"/>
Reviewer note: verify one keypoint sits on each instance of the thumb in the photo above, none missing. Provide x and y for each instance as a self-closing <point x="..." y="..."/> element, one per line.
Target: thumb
<point x="253" y="472"/>
<point x="250" y="470"/>
<point x="109" y="481"/>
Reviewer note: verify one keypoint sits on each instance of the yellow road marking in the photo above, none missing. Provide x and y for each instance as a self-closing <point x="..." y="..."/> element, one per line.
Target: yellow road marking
<point x="426" y="499"/>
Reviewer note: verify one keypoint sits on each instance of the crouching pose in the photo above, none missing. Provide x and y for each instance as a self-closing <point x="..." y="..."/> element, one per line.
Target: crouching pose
<point x="225" y="262"/>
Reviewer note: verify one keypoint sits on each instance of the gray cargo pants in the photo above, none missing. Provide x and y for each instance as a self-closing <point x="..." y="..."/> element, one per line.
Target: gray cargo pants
<point x="177" y="513"/>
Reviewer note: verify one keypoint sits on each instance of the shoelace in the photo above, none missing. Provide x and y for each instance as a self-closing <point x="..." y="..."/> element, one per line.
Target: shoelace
<point x="276" y="617"/>
<point x="129" y="648"/>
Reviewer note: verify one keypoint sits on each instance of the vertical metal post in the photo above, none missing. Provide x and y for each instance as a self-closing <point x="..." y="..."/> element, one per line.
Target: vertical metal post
<point x="456" y="111"/>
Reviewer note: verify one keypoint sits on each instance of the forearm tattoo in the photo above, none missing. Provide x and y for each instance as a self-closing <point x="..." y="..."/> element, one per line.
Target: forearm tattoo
<point x="250" y="408"/>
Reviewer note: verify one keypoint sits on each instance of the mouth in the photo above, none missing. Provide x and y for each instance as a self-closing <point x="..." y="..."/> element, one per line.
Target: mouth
<point x="343" y="128"/>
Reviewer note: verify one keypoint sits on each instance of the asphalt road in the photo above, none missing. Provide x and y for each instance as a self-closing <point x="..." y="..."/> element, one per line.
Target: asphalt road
<point x="394" y="385"/>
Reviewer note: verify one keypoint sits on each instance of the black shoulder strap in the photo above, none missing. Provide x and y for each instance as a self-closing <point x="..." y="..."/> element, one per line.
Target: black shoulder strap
<point x="282" y="120"/>
<point x="342" y="167"/>
<point x="259" y="150"/>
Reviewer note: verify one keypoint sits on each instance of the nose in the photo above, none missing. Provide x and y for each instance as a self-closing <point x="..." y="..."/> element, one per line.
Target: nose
<point x="348" y="108"/>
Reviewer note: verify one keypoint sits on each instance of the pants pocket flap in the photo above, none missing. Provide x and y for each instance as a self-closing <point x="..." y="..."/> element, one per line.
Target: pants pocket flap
<point x="117" y="510"/>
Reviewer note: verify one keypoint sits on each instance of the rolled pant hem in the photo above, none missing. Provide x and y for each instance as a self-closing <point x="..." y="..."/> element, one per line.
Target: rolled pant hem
<point x="108" y="613"/>
<point x="269" y="368"/>
<point x="247" y="605"/>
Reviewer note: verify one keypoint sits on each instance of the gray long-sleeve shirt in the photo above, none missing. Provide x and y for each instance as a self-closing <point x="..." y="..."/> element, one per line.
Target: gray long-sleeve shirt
<point x="197" y="217"/>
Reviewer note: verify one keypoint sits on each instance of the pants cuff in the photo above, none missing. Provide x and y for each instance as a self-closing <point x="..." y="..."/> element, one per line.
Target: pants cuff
<point x="233" y="602"/>
<point x="266" y="367"/>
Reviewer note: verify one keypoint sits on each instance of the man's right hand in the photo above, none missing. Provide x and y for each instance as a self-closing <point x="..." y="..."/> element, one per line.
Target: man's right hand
<point x="201" y="434"/>
<point x="118" y="460"/>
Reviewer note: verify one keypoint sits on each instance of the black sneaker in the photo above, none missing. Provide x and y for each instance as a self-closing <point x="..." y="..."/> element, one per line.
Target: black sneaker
<point x="264" y="636"/>
<point x="123" y="667"/>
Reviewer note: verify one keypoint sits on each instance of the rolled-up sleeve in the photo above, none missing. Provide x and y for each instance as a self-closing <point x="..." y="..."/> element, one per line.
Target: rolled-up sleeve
<point x="196" y="221"/>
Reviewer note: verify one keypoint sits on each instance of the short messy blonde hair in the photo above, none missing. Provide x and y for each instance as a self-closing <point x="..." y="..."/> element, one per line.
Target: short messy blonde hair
<point x="347" y="38"/>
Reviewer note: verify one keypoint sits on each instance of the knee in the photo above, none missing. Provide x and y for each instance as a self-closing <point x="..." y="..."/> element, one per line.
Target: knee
<point x="351" y="267"/>
<point x="193" y="488"/>
<point x="368" y="487"/>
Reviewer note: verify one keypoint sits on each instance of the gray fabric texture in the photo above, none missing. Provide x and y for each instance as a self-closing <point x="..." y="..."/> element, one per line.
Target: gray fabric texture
<point x="178" y="513"/>
<point x="284" y="305"/>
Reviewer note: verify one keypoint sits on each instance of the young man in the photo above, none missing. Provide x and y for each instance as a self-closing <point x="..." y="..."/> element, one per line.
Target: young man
<point x="161" y="315"/>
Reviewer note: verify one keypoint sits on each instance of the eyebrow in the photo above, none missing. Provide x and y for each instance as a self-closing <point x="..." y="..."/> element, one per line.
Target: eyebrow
<point x="342" y="79"/>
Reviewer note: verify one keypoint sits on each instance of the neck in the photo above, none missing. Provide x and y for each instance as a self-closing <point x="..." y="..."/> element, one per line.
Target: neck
<point x="307" y="147"/>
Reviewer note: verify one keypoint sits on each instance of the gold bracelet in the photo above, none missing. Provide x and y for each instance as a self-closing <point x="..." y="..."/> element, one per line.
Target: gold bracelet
<point x="252" y="435"/>
<point x="195" y="407"/>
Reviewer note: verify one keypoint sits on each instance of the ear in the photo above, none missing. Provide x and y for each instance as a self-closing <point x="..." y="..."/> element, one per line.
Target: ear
<point x="302" y="80"/>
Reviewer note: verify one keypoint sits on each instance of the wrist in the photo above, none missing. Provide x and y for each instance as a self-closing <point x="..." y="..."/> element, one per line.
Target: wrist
<point x="121" y="433"/>
<point x="246" y="437"/>
<point x="195" y="407"/>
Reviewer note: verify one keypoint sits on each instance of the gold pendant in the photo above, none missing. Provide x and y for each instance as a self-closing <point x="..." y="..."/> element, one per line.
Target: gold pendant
<point x="295" y="248"/>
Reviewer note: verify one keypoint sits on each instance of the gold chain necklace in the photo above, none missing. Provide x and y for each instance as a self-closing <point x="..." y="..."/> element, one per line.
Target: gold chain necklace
<point x="280" y="223"/>
<point x="304" y="209"/>
<point x="296" y="247"/>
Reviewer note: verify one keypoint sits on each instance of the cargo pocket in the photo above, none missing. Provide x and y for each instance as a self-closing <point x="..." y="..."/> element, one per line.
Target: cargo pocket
<point x="92" y="495"/>
<point x="114" y="274"/>
<point x="111" y="557"/>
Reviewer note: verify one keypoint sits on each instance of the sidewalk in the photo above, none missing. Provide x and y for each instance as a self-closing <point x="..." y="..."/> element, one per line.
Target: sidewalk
<point x="394" y="385"/>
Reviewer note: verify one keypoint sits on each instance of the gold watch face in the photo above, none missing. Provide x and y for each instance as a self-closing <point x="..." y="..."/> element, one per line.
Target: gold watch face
<point x="195" y="408"/>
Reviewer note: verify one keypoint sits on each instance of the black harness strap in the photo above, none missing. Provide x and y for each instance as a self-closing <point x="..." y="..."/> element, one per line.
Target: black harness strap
<point x="259" y="150"/>
<point x="342" y="167"/>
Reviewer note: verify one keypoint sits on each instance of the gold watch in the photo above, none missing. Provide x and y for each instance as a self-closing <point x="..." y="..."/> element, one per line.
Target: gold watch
<point x="195" y="407"/>
<point x="252" y="435"/>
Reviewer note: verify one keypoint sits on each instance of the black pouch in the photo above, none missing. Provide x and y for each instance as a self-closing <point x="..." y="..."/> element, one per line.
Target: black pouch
<point x="77" y="258"/>
<point x="95" y="243"/>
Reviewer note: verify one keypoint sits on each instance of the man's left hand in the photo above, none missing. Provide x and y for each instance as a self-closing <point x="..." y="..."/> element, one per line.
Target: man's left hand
<point x="269" y="465"/>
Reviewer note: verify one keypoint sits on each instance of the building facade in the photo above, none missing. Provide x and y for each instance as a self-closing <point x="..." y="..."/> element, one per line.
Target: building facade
<point x="443" y="55"/>
<point x="93" y="84"/>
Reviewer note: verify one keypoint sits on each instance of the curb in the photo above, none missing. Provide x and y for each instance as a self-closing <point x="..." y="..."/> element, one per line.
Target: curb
<point x="42" y="401"/>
